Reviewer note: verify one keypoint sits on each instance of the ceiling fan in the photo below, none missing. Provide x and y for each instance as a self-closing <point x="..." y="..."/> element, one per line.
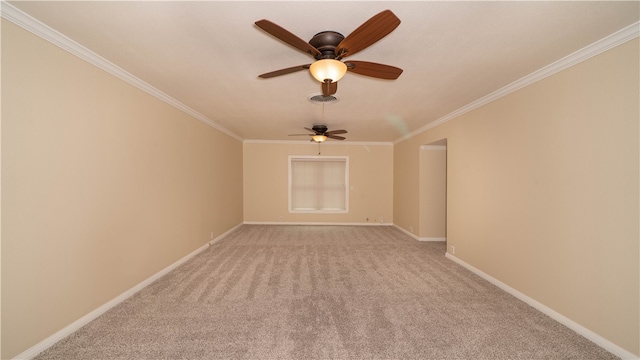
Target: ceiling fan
<point x="320" y="134"/>
<point x="329" y="47"/>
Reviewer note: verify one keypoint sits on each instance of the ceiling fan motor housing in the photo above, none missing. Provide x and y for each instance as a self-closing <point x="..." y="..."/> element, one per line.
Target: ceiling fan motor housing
<point x="319" y="129"/>
<point x="326" y="42"/>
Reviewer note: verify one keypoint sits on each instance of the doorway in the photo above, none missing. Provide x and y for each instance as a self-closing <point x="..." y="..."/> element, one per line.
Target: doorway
<point x="433" y="191"/>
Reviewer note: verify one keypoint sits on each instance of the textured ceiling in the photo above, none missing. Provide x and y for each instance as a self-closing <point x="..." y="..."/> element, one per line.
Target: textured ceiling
<point x="208" y="55"/>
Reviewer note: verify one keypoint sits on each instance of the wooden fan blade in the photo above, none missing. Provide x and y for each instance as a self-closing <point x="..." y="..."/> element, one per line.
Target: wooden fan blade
<point x="313" y="131"/>
<point x="368" y="33"/>
<point x="284" y="71"/>
<point x="329" y="88"/>
<point x="333" y="132"/>
<point x="336" y="137"/>
<point x="375" y="70"/>
<point x="287" y="37"/>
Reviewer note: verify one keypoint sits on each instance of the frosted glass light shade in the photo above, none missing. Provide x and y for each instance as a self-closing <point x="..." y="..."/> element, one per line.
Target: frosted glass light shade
<point x="319" y="138"/>
<point x="328" y="69"/>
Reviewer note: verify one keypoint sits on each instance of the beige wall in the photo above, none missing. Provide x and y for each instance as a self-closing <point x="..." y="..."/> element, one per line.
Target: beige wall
<point x="406" y="188"/>
<point x="543" y="189"/>
<point x="433" y="192"/>
<point x="266" y="182"/>
<point x="103" y="186"/>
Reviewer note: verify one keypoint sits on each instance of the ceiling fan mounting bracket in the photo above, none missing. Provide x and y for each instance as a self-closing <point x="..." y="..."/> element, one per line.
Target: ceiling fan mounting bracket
<point x="326" y="42"/>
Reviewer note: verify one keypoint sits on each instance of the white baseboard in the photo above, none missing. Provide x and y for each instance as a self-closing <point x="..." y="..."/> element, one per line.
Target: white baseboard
<point x="407" y="232"/>
<point x="416" y="237"/>
<point x="597" y="339"/>
<point x="351" y="224"/>
<point x="441" y="239"/>
<point x="317" y="223"/>
<point x="76" y="325"/>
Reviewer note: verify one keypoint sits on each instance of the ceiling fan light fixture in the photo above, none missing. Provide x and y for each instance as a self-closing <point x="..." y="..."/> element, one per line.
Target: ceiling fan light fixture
<point x="319" y="138"/>
<point x="328" y="69"/>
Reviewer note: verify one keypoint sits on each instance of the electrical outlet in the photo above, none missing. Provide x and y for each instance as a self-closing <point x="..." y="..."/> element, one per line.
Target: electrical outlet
<point x="453" y="250"/>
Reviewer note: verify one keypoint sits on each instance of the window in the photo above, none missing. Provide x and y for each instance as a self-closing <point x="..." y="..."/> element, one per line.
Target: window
<point x="318" y="184"/>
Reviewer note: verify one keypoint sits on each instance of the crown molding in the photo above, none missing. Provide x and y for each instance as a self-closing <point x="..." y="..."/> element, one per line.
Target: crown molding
<point x="328" y="143"/>
<point x="18" y="17"/>
<point x="618" y="38"/>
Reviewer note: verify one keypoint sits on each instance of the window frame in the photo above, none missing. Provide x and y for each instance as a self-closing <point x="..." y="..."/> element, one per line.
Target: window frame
<point x="319" y="159"/>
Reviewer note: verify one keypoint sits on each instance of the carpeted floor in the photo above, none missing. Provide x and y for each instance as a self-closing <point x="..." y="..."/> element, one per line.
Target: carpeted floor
<point x="323" y="292"/>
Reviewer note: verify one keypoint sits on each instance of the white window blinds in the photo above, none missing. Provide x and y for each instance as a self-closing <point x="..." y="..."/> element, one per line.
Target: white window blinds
<point x="318" y="184"/>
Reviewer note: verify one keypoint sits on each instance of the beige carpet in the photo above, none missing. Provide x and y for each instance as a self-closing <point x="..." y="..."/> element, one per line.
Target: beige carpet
<point x="323" y="292"/>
